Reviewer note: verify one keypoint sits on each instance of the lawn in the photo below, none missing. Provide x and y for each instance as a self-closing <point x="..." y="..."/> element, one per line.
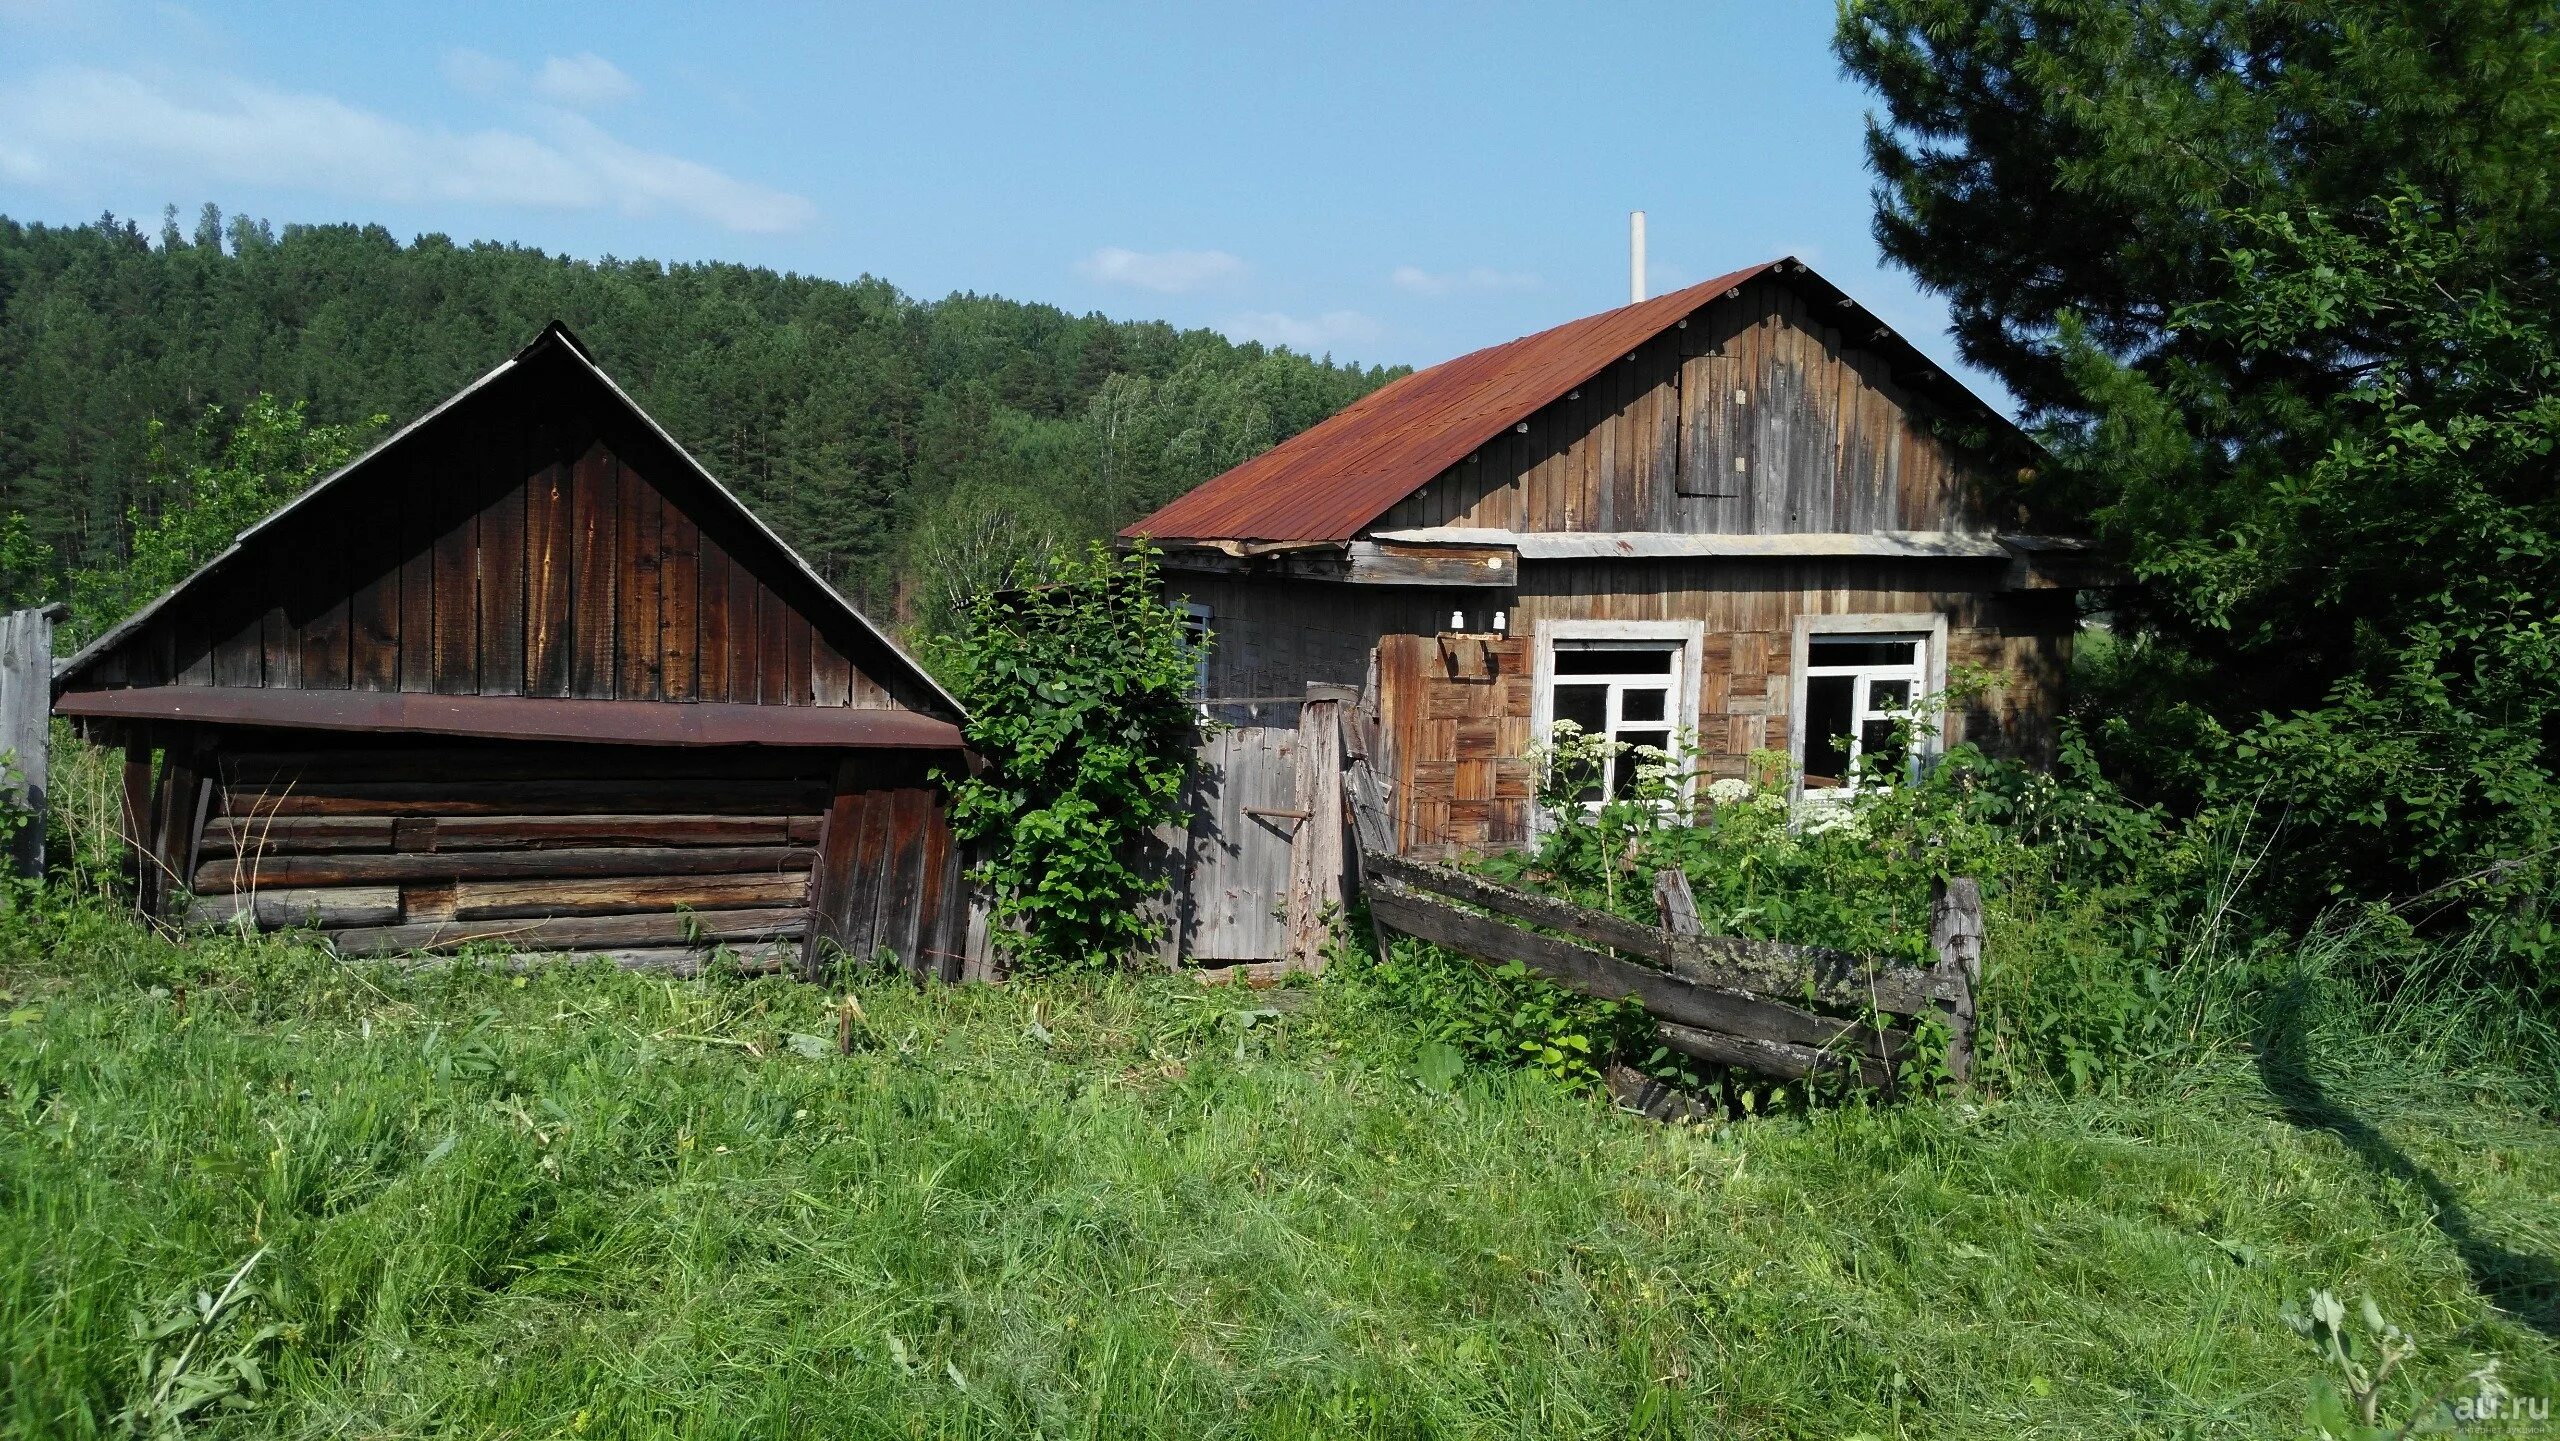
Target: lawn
<point x="584" y="1203"/>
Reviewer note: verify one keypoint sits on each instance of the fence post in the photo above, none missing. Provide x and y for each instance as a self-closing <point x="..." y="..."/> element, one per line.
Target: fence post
<point x="1955" y="930"/>
<point x="1676" y="903"/>
<point x="26" y="726"/>
<point x="1315" y="851"/>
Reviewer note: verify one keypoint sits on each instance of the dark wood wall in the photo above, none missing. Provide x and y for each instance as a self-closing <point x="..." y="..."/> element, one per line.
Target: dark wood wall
<point x="1758" y="417"/>
<point x="393" y="845"/>
<point x="533" y="541"/>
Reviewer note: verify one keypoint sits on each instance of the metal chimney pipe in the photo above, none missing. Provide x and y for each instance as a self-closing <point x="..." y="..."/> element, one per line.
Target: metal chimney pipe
<point x="1635" y="257"/>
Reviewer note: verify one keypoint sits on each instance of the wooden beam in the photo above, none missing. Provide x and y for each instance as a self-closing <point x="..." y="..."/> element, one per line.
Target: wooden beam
<point x="1595" y="973"/>
<point x="341" y="869"/>
<point x="1387" y="563"/>
<point x="579" y="932"/>
<point x="530" y="718"/>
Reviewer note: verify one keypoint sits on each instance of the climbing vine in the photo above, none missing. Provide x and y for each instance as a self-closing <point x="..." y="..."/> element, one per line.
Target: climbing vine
<point x="1078" y="680"/>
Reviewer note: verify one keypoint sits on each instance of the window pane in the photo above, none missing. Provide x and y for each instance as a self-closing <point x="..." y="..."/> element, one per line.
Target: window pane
<point x="1889" y="695"/>
<point x="1881" y="750"/>
<point x="1623" y="777"/>
<point x="1859" y="652"/>
<point x="1641" y="705"/>
<point x="1613" y="660"/>
<point x="1827" y="702"/>
<point x="1585" y="705"/>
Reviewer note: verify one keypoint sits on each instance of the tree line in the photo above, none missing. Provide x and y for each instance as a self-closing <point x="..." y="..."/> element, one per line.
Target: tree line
<point x="911" y="449"/>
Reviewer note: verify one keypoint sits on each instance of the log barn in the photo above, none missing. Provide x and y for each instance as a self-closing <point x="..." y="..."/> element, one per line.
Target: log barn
<point x="526" y="673"/>
<point x="1748" y="510"/>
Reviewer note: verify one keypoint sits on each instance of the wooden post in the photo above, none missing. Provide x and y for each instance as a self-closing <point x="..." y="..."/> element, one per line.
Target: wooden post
<point x="1677" y="904"/>
<point x="1315" y="852"/>
<point x="26" y="728"/>
<point x="134" y="823"/>
<point x="1955" y="929"/>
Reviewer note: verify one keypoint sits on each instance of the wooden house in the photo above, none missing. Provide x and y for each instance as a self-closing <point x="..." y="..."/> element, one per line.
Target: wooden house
<point x="527" y="673"/>
<point x="1747" y="510"/>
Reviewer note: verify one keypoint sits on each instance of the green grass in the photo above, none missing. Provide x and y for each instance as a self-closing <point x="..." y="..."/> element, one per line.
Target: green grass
<point x="584" y="1203"/>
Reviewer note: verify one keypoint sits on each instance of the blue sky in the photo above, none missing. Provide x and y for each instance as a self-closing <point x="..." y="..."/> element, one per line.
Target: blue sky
<point x="1382" y="182"/>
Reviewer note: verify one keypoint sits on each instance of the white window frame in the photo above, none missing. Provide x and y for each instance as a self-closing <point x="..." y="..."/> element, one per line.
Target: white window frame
<point x="1195" y="623"/>
<point x="1929" y="627"/>
<point x="1690" y="636"/>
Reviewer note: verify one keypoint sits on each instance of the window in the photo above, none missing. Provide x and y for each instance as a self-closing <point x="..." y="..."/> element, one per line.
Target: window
<point x="1195" y="629"/>
<point x="1624" y="689"/>
<point x="1855" y="689"/>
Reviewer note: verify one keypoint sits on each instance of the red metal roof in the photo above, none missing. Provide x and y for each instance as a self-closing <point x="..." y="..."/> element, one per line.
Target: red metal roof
<point x="1326" y="482"/>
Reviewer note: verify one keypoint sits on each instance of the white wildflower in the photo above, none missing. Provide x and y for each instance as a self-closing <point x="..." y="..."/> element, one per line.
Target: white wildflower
<point x="1729" y="790"/>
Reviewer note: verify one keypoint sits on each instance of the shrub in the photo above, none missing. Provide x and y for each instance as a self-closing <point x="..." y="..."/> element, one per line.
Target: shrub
<point x="1078" y="681"/>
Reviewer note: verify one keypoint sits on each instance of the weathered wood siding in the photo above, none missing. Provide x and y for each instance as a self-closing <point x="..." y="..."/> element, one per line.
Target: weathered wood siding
<point x="889" y="884"/>
<point x="392" y="846"/>
<point x="1757" y="417"/>
<point x="1273" y="637"/>
<point x="1460" y="726"/>
<point x="534" y="542"/>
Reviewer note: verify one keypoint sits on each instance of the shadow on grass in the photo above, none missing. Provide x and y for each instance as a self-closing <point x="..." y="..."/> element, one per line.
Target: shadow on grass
<point x="2523" y="1285"/>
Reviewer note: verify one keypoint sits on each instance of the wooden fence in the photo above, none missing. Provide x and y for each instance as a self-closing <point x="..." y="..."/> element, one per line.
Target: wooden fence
<point x="1766" y="1006"/>
<point x="26" y="718"/>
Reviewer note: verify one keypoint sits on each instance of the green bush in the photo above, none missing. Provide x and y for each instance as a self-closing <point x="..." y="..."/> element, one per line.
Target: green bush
<point x="1078" y="681"/>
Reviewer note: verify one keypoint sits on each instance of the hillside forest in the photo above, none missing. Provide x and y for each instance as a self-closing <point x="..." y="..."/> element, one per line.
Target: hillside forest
<point x="911" y="449"/>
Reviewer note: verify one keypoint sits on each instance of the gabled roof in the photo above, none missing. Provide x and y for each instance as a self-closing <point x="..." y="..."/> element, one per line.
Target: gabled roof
<point x="555" y="341"/>
<point x="1327" y="482"/>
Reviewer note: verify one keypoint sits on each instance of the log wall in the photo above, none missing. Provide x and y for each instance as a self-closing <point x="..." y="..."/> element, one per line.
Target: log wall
<point x="389" y="847"/>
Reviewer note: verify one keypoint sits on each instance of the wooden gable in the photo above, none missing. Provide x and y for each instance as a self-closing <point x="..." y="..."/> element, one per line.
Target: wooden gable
<point x="1763" y="413"/>
<point x="537" y="537"/>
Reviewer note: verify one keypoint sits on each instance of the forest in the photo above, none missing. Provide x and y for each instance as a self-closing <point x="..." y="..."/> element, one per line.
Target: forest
<point x="911" y="449"/>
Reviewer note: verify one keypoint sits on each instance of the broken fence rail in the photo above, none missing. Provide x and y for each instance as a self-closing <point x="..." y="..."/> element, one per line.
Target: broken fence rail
<point x="1768" y="1006"/>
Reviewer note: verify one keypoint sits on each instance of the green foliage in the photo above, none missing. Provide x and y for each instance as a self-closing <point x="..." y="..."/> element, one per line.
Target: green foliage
<point x="1078" y="681"/>
<point x="2275" y="278"/>
<point x="1500" y="1016"/>
<point x="867" y="426"/>
<point x="201" y="1354"/>
<point x="2411" y="566"/>
<point x="189" y="509"/>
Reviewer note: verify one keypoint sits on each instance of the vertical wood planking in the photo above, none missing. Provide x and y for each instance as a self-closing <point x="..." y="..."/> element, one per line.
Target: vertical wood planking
<point x="239" y="635"/>
<point x="595" y="549"/>
<point x="455" y="491"/>
<point x="283" y="578"/>
<point x="331" y="570"/>
<point x="679" y="598"/>
<point x="550" y="514"/>
<point x="772" y="650"/>
<point x="831" y="675"/>
<point x="746" y="634"/>
<point x="798" y="669"/>
<point x="417" y="481"/>
<point x="500" y="574"/>
<point x="373" y="610"/>
<point x="636" y="638"/>
<point x="711" y="621"/>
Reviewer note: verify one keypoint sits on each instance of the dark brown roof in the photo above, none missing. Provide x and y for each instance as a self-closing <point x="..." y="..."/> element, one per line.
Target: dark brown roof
<point x="1327" y="482"/>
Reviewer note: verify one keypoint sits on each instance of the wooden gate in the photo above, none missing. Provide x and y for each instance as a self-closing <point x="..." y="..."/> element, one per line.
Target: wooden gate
<point x="1263" y="860"/>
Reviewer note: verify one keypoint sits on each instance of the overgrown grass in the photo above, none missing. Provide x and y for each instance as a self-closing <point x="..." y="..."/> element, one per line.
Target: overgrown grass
<point x="585" y="1203"/>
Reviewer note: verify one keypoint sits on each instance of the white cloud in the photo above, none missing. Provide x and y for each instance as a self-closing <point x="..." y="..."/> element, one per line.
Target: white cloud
<point x="1310" y="334"/>
<point x="584" y="81"/>
<point x="70" y="120"/>
<point x="1166" y="272"/>
<point x="1477" y="278"/>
